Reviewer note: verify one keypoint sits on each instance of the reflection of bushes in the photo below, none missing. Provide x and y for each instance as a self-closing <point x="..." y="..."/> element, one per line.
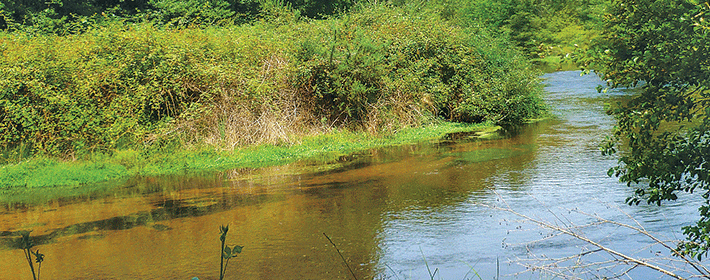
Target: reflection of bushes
<point x="125" y="85"/>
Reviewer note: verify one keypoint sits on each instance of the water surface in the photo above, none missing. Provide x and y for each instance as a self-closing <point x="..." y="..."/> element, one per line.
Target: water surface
<point x="395" y="213"/>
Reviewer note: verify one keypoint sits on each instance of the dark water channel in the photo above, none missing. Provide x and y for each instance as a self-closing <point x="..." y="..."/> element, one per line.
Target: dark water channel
<point x="395" y="213"/>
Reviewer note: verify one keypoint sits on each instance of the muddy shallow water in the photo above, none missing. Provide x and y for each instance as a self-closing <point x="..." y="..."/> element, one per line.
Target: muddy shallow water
<point x="395" y="213"/>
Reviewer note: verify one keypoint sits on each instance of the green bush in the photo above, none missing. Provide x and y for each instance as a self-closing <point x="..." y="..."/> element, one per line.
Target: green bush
<point x="112" y="86"/>
<point x="379" y="52"/>
<point x="136" y="85"/>
<point x="62" y="16"/>
<point x="183" y="13"/>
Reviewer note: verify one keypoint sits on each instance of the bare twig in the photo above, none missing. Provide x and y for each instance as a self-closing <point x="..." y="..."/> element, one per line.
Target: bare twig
<point x="559" y="266"/>
<point x="640" y="229"/>
<point x="341" y="256"/>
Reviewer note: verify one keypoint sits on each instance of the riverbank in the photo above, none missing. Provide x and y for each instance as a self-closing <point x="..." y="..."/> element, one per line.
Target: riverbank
<point x="41" y="178"/>
<point x="120" y="99"/>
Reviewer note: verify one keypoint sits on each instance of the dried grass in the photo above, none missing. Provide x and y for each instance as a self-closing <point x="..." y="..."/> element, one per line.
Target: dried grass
<point x="393" y="113"/>
<point x="235" y="119"/>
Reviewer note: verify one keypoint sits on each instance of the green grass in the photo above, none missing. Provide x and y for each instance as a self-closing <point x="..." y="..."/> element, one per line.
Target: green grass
<point x="41" y="179"/>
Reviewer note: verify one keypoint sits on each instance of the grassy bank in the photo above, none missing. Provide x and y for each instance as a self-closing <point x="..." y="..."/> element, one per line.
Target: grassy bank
<point x="42" y="178"/>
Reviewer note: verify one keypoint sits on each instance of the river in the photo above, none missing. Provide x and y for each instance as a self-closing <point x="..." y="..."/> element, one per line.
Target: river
<point x="402" y="212"/>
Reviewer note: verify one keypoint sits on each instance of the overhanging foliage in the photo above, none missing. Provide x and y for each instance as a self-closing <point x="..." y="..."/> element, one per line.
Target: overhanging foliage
<point x="662" y="47"/>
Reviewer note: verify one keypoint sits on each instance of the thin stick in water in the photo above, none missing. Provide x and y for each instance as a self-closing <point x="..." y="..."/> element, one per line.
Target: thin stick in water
<point x="341" y="256"/>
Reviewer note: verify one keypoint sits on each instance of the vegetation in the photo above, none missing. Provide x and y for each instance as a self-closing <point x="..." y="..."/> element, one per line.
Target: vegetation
<point x="132" y="85"/>
<point x="548" y="32"/>
<point x="26" y="245"/>
<point x="41" y="179"/>
<point x="61" y="16"/>
<point x="661" y="46"/>
<point x="226" y="253"/>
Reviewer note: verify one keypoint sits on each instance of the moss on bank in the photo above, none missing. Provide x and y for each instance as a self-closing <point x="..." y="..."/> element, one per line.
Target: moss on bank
<point x="43" y="178"/>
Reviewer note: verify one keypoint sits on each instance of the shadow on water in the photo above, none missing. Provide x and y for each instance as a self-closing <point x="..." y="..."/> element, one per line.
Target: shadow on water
<point x="165" y="210"/>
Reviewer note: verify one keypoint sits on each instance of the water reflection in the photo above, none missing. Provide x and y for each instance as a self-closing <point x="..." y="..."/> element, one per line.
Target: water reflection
<point x="391" y="211"/>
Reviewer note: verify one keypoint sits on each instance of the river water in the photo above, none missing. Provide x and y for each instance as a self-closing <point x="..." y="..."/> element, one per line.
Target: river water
<point x="403" y="212"/>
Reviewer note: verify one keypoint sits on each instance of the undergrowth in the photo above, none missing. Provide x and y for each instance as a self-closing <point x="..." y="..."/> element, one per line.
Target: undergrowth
<point x="126" y="98"/>
<point x="141" y="86"/>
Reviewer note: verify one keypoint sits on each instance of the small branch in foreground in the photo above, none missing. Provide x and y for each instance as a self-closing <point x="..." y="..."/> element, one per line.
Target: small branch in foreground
<point x="555" y="265"/>
<point x="341" y="256"/>
<point x="698" y="267"/>
<point x="26" y="245"/>
<point x="226" y="253"/>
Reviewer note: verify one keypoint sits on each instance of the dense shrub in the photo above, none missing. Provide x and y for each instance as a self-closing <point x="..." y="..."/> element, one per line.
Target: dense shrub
<point x="70" y="15"/>
<point x="185" y="12"/>
<point x="442" y="70"/>
<point x="113" y="86"/>
<point x="133" y="84"/>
